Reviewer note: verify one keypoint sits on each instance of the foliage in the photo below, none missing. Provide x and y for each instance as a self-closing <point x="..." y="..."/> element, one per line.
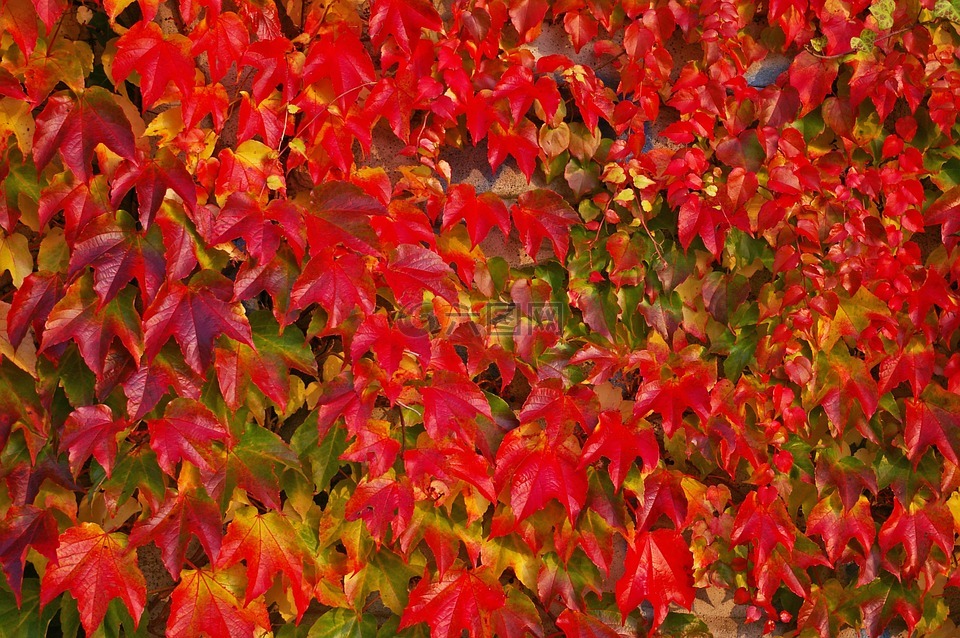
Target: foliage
<point x="311" y="388"/>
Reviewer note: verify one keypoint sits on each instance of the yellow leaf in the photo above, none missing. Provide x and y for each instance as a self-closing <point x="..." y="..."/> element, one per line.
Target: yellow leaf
<point x="15" y="118"/>
<point x="15" y="257"/>
<point x="25" y="356"/>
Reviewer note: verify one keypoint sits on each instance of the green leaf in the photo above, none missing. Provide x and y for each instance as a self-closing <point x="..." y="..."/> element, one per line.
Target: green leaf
<point x="28" y="621"/>
<point x="343" y="623"/>
<point x="323" y="456"/>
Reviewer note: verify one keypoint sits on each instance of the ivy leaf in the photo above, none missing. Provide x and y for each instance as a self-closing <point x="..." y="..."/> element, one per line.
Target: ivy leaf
<point x="32" y="303"/>
<point x="480" y="213"/>
<point x="268" y="365"/>
<point x="95" y="567"/>
<point x="577" y="624"/>
<point x="15" y="257"/>
<point x="269" y="544"/>
<point x="813" y="78"/>
<point x="933" y="420"/>
<point x="91" y="430"/>
<point x="341" y="213"/>
<point x="206" y="601"/>
<point x="460" y="601"/>
<point x="170" y="527"/>
<point x="80" y="317"/>
<point x="413" y="269"/>
<point x="195" y="315"/>
<point x="763" y="519"/>
<point x="452" y="404"/>
<point x="621" y="444"/>
<point x="187" y="430"/>
<point x="838" y="526"/>
<point x="255" y="464"/>
<point x="659" y="569"/>
<point x="402" y="19"/>
<point x="74" y="125"/>
<point x="381" y="502"/>
<point x="159" y="59"/>
<point x="224" y="39"/>
<point x="536" y="470"/>
<point x="23" y="527"/>
<point x="340" y="59"/>
<point x="343" y="623"/>
<point x="145" y="387"/>
<point x="918" y="529"/>
<point x="151" y="177"/>
<point x="339" y="282"/>
<point x="542" y="214"/>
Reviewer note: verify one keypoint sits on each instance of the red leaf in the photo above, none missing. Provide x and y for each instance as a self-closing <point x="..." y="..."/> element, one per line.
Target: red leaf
<point x="194" y="315"/>
<point x="412" y="270"/>
<point x="205" y="602"/>
<point x="95" y="567"/>
<point x="918" y="529"/>
<point x="659" y="569"/>
<point x="460" y="601"/>
<point x="838" y="526"/>
<point x="763" y="519"/>
<point x="341" y="60"/>
<point x="527" y="17"/>
<point x="150" y="382"/>
<point x="91" y="430"/>
<point x="341" y="214"/>
<point x="480" y="213"/>
<point x="581" y="27"/>
<point x="32" y="303"/>
<point x="80" y="317"/>
<point x="537" y="470"/>
<point x="187" y="431"/>
<point x="159" y="59"/>
<point x="375" y="445"/>
<point x="621" y="444"/>
<point x="542" y="214"/>
<point x="24" y="527"/>
<point x="403" y="19"/>
<point x="224" y="41"/>
<point x="381" y="502"/>
<point x="518" y="141"/>
<point x="170" y="526"/>
<point x="451" y="405"/>
<point x="933" y="419"/>
<point x="269" y="544"/>
<point x="19" y="19"/>
<point x="151" y="177"/>
<point x="339" y="282"/>
<point x="813" y="78"/>
<point x="388" y="342"/>
<point x="75" y="125"/>
<point x="576" y="624"/>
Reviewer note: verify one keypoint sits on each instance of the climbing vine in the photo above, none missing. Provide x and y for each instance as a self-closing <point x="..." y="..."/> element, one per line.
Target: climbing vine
<point x="261" y="374"/>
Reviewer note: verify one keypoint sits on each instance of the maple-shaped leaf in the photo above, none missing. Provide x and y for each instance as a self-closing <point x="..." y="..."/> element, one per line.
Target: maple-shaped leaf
<point x="918" y="528"/>
<point x="451" y="405"/>
<point x="31" y="305"/>
<point x="622" y="444"/>
<point x="542" y="214"/>
<point x="187" y="430"/>
<point x="460" y="601"/>
<point x="658" y="569"/>
<point x="402" y="19"/>
<point x="536" y="470"/>
<point x="381" y="503"/>
<point x="518" y="87"/>
<point x="80" y="317"/>
<point x="812" y="77"/>
<point x="762" y="518"/>
<point x="339" y="282"/>
<point x="912" y="363"/>
<point x="151" y="381"/>
<point x="375" y="445"/>
<point x="19" y="19"/>
<point x="933" y="420"/>
<point x="340" y="59"/>
<point x="255" y="465"/>
<point x="480" y="212"/>
<point x="837" y="526"/>
<point x="886" y="599"/>
<point x="23" y="527"/>
<point x="269" y="545"/>
<point x="389" y="342"/>
<point x="195" y="315"/>
<point x="152" y="176"/>
<point x="528" y="16"/>
<point x="268" y="365"/>
<point x="341" y="213"/>
<point x="91" y="430"/>
<point x="271" y="58"/>
<point x="577" y="624"/>
<point x="118" y="253"/>
<point x="95" y="567"/>
<point x="224" y="39"/>
<point x="847" y="474"/>
<point x="158" y="58"/>
<point x="413" y="269"/>
<point x="277" y="278"/>
<point x="75" y="124"/>
<point x="206" y="602"/>
<point x="343" y="623"/>
<point x="170" y="526"/>
<point x="662" y="495"/>
<point x="519" y="141"/>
